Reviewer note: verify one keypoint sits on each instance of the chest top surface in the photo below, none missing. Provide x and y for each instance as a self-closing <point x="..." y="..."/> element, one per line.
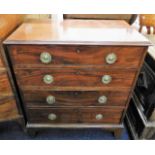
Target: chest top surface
<point x="98" y="32"/>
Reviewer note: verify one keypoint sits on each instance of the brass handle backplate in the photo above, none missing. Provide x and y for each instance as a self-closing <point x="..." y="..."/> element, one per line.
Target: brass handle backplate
<point x="45" y="57"/>
<point x="106" y="79"/>
<point x="111" y="58"/>
<point x="102" y="99"/>
<point x="48" y="79"/>
<point x="52" y="116"/>
<point x="50" y="99"/>
<point x="99" y="116"/>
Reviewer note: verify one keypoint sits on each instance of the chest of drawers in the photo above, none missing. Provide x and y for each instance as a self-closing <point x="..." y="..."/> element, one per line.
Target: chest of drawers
<point x="75" y="74"/>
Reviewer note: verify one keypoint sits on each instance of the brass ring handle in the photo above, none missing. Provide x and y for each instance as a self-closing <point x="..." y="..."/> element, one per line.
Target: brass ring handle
<point x="102" y="99"/>
<point x="106" y="79"/>
<point x="99" y="116"/>
<point x="52" y="116"/>
<point x="50" y="99"/>
<point x="48" y="79"/>
<point x="111" y="58"/>
<point x="45" y="57"/>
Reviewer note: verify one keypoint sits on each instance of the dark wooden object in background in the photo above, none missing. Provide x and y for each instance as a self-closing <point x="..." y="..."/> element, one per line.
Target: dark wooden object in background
<point x="129" y="18"/>
<point x="140" y="115"/>
<point x="8" y="97"/>
<point x="78" y="51"/>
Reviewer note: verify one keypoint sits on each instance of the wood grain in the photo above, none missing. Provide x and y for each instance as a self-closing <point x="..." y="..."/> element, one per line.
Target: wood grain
<point x="8" y="110"/>
<point x="74" y="115"/>
<point x="8" y="23"/>
<point x="8" y="107"/>
<point x="29" y="55"/>
<point x="74" y="98"/>
<point x="88" y="77"/>
<point x="1" y="62"/>
<point x="5" y="87"/>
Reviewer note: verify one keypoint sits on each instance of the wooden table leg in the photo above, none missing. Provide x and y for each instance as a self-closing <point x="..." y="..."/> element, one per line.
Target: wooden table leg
<point x="31" y="132"/>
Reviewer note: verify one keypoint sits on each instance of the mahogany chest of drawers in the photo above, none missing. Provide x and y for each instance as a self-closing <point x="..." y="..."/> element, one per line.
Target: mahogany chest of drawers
<point x="75" y="74"/>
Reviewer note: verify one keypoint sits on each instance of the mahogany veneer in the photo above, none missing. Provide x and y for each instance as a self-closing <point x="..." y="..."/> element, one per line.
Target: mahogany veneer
<point x="8" y="109"/>
<point x="78" y="115"/>
<point x="64" y="77"/>
<point x="5" y="88"/>
<point x="68" y="87"/>
<point x="74" y="98"/>
<point x="1" y="63"/>
<point x="23" y="55"/>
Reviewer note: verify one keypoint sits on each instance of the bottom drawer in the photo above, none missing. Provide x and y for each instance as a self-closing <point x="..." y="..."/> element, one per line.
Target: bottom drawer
<point x="74" y="115"/>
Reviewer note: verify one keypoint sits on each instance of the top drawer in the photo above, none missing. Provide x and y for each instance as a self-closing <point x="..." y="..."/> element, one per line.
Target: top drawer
<point x="49" y="55"/>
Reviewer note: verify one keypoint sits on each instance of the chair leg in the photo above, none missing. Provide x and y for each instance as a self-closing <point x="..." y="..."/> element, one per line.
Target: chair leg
<point x="154" y="30"/>
<point x="140" y="29"/>
<point x="148" y="29"/>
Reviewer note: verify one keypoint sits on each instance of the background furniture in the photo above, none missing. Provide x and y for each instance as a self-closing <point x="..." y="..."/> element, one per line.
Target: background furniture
<point x="148" y="21"/>
<point x="9" y="100"/>
<point x="140" y="116"/>
<point x="9" y="110"/>
<point x="71" y="75"/>
<point x="129" y="18"/>
<point x="37" y="16"/>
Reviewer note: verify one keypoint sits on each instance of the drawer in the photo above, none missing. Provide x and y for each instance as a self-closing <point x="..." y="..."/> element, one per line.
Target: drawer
<point x="74" y="98"/>
<point x="37" y="55"/>
<point x="5" y="88"/>
<point x="8" y="109"/>
<point x="74" y="115"/>
<point x="62" y="77"/>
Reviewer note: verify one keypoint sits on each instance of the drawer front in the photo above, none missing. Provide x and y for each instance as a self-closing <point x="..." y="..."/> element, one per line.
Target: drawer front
<point x="74" y="115"/>
<point x="8" y="109"/>
<point x="5" y="88"/>
<point x="75" y="98"/>
<point x="72" y="78"/>
<point x="23" y="55"/>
